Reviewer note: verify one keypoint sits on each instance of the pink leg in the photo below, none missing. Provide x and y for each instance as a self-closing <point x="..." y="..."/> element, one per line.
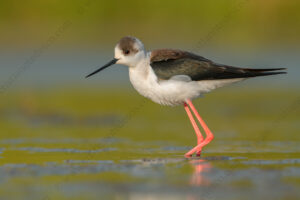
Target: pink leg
<point x="209" y="135"/>
<point x="196" y="128"/>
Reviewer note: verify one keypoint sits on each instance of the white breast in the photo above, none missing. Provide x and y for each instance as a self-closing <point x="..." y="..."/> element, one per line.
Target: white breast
<point x="170" y="92"/>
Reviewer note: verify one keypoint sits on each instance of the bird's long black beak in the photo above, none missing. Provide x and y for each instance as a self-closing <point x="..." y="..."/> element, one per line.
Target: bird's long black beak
<point x="113" y="61"/>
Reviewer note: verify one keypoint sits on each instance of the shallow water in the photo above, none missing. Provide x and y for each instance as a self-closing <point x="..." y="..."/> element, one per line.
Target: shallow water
<point x="55" y="145"/>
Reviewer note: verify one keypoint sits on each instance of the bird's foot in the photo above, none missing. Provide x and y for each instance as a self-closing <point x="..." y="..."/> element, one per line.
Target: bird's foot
<point x="187" y="155"/>
<point x="198" y="154"/>
<point x="197" y="149"/>
<point x="190" y="154"/>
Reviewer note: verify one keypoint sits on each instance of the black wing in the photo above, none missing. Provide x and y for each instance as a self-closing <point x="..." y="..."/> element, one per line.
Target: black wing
<point x="167" y="63"/>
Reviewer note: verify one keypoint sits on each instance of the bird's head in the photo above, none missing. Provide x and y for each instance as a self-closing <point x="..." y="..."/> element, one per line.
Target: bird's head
<point x="129" y="51"/>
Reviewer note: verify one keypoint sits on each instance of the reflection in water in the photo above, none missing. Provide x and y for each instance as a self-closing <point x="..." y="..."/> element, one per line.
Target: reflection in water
<point x="198" y="179"/>
<point x="200" y="166"/>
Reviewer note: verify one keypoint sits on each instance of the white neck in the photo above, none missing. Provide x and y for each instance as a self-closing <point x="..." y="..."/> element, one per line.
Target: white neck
<point x="142" y="76"/>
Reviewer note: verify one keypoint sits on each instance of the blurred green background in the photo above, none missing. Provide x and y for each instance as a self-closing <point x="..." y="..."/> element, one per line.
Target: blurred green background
<point x="64" y="40"/>
<point x="64" y="136"/>
<point x="97" y="24"/>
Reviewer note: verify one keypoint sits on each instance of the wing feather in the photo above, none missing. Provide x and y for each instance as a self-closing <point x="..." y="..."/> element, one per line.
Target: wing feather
<point x="167" y="63"/>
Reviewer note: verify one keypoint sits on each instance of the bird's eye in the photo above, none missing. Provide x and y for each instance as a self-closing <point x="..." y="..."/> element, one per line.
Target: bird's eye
<point x="126" y="52"/>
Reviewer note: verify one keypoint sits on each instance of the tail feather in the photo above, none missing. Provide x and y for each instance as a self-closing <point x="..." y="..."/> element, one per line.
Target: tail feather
<point x="236" y="72"/>
<point x="265" y="73"/>
<point x="229" y="72"/>
<point x="264" y="70"/>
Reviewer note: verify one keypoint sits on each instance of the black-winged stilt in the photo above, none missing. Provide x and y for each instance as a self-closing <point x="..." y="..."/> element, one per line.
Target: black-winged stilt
<point x="175" y="77"/>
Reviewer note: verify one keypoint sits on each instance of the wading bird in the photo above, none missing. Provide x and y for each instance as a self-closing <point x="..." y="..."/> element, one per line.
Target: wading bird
<point x="175" y="77"/>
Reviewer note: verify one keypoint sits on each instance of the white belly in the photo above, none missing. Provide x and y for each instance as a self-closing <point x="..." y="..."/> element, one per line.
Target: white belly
<point x="171" y="92"/>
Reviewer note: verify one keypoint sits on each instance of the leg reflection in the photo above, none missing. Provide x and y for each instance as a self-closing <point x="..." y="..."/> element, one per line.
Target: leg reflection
<point x="200" y="166"/>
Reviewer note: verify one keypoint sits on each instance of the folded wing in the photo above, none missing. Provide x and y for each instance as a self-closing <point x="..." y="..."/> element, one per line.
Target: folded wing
<point x="167" y="63"/>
